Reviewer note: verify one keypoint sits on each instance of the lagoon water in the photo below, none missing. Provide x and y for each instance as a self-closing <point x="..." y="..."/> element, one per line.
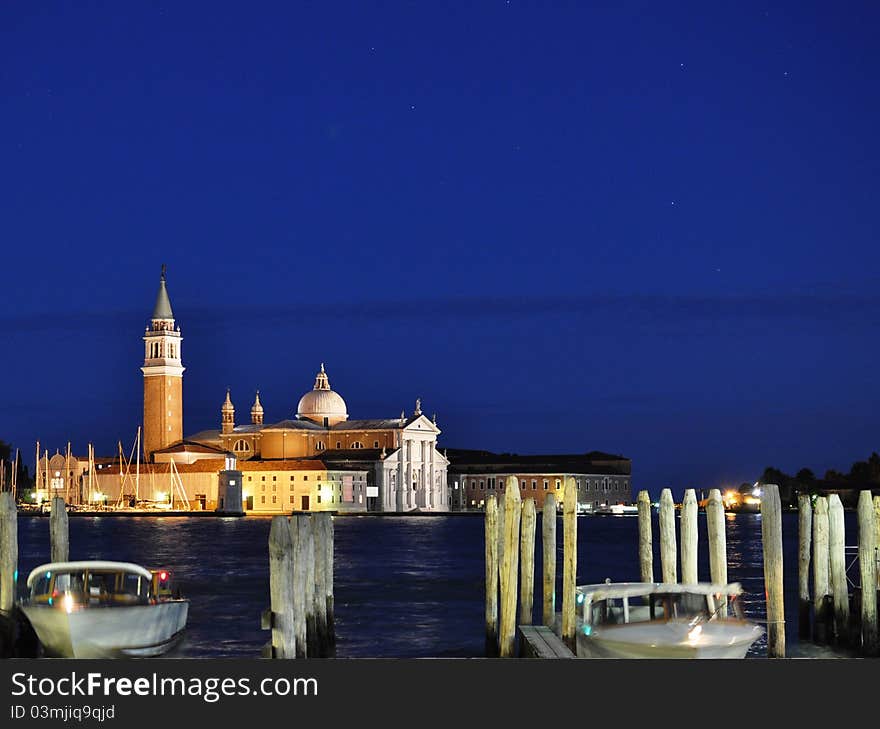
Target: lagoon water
<point x="405" y="586"/>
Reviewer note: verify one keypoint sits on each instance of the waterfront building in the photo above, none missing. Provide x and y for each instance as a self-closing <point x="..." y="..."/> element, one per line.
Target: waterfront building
<point x="601" y="478"/>
<point x="402" y="468"/>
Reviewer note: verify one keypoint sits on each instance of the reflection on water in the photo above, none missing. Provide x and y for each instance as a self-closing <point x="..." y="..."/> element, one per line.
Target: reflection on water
<point x="405" y="586"/>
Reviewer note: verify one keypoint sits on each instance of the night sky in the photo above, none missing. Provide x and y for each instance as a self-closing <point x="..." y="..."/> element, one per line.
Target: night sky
<point x="645" y="228"/>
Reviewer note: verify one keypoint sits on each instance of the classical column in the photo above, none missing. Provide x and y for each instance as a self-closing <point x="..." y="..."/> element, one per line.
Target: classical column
<point x="398" y="496"/>
<point x="433" y="472"/>
<point x="408" y="483"/>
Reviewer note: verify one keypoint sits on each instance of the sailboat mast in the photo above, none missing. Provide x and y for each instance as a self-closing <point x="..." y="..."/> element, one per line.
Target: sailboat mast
<point x="67" y="475"/>
<point x="137" y="475"/>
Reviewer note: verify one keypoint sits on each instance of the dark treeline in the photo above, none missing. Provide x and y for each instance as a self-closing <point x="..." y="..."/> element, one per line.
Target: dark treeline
<point x="7" y="455"/>
<point x="862" y="475"/>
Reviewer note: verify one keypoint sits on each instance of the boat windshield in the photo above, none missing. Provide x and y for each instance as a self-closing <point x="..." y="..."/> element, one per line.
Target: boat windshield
<point x="106" y="588"/>
<point x="642" y="608"/>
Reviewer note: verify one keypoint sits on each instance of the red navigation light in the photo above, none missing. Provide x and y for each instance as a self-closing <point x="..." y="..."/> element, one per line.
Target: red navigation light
<point x="163" y="576"/>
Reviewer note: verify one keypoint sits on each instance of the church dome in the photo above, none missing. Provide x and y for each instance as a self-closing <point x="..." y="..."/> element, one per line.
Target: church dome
<point x="321" y="404"/>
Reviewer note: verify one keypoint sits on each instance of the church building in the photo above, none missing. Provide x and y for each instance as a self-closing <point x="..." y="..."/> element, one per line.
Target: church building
<point x="396" y="458"/>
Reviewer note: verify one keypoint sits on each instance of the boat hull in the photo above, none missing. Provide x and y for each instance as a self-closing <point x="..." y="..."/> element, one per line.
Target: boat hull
<point x="136" y="631"/>
<point x="716" y="639"/>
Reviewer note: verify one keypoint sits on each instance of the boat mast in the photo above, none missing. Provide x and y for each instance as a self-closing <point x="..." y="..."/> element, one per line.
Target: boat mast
<point x="15" y="476"/>
<point x="91" y="468"/>
<point x="67" y="475"/>
<point x="137" y="476"/>
<point x="37" y="470"/>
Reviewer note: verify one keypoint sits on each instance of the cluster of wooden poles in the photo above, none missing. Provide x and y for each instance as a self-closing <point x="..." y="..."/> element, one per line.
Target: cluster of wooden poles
<point x="300" y="615"/>
<point x="834" y="619"/>
<point x="510" y="565"/>
<point x="59" y="541"/>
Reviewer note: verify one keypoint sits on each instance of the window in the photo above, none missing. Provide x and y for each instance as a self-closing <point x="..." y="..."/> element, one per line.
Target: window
<point x="305" y="478"/>
<point x="274" y="478"/>
<point x="291" y="498"/>
<point x="534" y="485"/>
<point x="338" y="444"/>
<point x="522" y="485"/>
<point x="262" y="487"/>
<point x="274" y="487"/>
<point x="274" y="499"/>
<point x="319" y="498"/>
<point x="250" y="478"/>
<point x="557" y="484"/>
<point x="357" y="444"/>
<point x="291" y="478"/>
<point x="262" y="499"/>
<point x="319" y="446"/>
<point x="545" y="485"/>
<point x="481" y="484"/>
<point x="263" y="478"/>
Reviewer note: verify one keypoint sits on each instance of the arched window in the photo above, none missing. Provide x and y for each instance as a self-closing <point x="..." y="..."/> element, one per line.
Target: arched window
<point x="319" y="446"/>
<point x="241" y="446"/>
<point x="357" y="444"/>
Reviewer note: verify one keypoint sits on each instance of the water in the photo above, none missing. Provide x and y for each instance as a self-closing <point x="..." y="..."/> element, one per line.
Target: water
<point x="405" y="586"/>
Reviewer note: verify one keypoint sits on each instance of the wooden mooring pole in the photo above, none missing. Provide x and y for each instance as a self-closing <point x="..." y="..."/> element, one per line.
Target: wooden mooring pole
<point x="646" y="544"/>
<point x="329" y="562"/>
<point x="805" y="532"/>
<point x="281" y="589"/>
<point x="771" y="535"/>
<point x="8" y="551"/>
<point x="868" y="574"/>
<point x="569" y="563"/>
<point x="492" y="570"/>
<point x="668" y="549"/>
<point x="717" y="531"/>
<point x="689" y="541"/>
<point x="822" y="620"/>
<point x="307" y="535"/>
<point x="319" y="528"/>
<point x="510" y="568"/>
<point x="299" y="527"/>
<point x="837" y="552"/>
<point x="548" y="537"/>
<point x="527" y="563"/>
<point x="59" y="538"/>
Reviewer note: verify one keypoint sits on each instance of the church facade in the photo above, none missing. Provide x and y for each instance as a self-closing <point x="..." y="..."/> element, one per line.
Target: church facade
<point x="395" y="461"/>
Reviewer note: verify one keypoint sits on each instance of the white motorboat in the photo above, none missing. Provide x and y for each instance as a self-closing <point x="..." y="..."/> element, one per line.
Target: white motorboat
<point x="97" y="609"/>
<point x="659" y="620"/>
<point x="618" y="509"/>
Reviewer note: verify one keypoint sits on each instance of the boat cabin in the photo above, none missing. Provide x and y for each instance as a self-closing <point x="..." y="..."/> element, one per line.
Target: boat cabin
<point x="636" y="602"/>
<point x="72" y="585"/>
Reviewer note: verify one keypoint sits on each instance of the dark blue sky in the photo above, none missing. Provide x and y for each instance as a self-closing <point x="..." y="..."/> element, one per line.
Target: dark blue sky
<point x="638" y="227"/>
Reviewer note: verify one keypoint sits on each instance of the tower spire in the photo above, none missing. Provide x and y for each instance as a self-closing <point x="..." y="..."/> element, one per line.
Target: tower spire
<point x="162" y="309"/>
<point x="257" y="411"/>
<point x="322" y="382"/>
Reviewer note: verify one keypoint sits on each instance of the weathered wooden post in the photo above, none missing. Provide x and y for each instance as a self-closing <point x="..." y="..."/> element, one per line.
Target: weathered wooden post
<point x="668" y="549"/>
<point x="837" y="550"/>
<point x="717" y="530"/>
<point x="329" y="541"/>
<point x="59" y="539"/>
<point x="510" y="568"/>
<point x="320" y="591"/>
<point x="307" y="534"/>
<point x="877" y="526"/>
<point x="646" y="544"/>
<point x="281" y="588"/>
<point x="689" y="542"/>
<point x="548" y="537"/>
<point x="492" y="570"/>
<point x="299" y="524"/>
<point x="821" y="578"/>
<point x="868" y="569"/>
<point x="569" y="563"/>
<point x="527" y="563"/>
<point x="8" y="551"/>
<point x="805" y="529"/>
<point x="771" y="535"/>
<point x="501" y="507"/>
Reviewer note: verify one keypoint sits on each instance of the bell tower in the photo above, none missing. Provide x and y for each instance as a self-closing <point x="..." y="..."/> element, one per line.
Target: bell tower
<point x="163" y="377"/>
